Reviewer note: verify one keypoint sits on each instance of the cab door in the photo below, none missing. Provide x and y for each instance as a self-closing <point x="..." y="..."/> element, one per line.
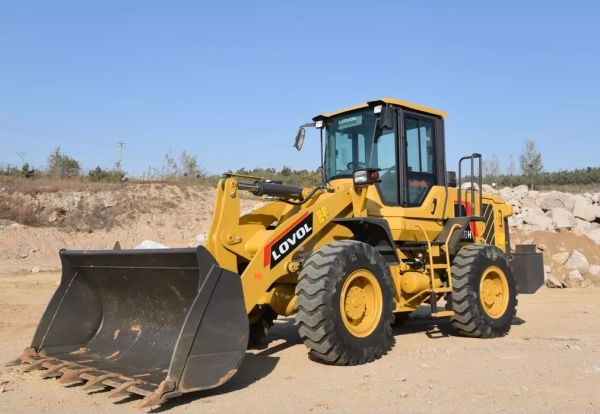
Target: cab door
<point x="419" y="141"/>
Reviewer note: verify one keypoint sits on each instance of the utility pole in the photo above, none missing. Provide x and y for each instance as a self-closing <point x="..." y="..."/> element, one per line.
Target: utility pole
<point x="120" y="144"/>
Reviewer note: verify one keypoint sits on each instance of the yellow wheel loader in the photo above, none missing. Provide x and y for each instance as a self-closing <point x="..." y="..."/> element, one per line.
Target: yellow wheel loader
<point x="387" y="231"/>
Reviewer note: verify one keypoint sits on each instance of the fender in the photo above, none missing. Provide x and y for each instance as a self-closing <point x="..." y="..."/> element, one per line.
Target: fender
<point x="375" y="232"/>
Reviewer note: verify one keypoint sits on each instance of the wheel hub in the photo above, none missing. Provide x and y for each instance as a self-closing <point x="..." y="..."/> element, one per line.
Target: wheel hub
<point x="361" y="303"/>
<point x="494" y="292"/>
<point x="355" y="303"/>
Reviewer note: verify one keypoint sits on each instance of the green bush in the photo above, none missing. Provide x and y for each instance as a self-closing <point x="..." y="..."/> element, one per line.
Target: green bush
<point x="113" y="176"/>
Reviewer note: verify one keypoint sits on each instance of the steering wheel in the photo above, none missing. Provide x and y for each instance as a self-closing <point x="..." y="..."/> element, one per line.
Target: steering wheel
<point x="357" y="163"/>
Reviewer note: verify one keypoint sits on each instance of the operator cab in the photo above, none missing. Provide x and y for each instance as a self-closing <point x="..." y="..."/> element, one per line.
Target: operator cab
<point x="404" y="140"/>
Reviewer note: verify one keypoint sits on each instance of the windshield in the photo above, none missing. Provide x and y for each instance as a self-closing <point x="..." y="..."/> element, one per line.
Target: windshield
<point x="355" y="141"/>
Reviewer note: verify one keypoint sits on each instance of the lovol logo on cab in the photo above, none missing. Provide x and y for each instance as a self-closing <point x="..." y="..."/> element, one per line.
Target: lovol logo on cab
<point x="281" y="247"/>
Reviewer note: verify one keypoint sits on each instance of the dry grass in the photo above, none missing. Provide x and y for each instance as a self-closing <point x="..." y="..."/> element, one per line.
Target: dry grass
<point x="572" y="189"/>
<point x="46" y="184"/>
<point x="52" y="185"/>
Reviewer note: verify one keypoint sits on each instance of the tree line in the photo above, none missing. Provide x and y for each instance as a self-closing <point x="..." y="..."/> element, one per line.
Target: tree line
<point x="531" y="171"/>
<point x="528" y="169"/>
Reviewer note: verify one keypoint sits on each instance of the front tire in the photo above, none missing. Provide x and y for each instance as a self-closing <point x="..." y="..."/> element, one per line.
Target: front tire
<point x="345" y="304"/>
<point x="484" y="294"/>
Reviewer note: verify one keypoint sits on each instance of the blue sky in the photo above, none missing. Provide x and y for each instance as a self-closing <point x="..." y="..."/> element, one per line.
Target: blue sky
<point x="232" y="81"/>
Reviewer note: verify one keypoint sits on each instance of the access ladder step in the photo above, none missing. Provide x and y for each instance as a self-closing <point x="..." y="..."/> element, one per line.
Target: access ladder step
<point x="415" y="246"/>
<point x="443" y="314"/>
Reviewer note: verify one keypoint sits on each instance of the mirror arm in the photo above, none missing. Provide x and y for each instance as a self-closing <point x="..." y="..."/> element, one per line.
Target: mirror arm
<point x="386" y="117"/>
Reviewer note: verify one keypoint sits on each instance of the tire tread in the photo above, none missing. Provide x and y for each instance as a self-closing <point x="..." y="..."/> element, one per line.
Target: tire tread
<point x="468" y="319"/>
<point x="316" y="317"/>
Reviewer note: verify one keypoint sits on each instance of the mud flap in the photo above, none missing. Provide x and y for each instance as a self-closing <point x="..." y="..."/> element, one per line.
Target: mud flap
<point x="158" y="323"/>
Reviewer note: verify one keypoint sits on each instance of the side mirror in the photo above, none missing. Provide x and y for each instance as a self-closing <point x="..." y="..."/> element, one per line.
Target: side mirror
<point x="386" y="117"/>
<point x="299" y="138"/>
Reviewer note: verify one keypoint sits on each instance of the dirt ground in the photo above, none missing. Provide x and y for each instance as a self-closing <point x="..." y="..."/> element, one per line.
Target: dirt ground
<point x="549" y="363"/>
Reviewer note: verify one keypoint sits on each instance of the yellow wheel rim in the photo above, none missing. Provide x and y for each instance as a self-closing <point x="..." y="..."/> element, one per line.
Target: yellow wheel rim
<point x="361" y="303"/>
<point x="494" y="292"/>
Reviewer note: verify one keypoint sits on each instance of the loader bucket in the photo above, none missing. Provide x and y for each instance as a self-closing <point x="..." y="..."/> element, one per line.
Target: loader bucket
<point x="157" y="323"/>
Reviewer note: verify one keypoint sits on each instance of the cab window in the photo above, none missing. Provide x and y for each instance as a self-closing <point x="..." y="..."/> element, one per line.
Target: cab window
<point x="420" y="158"/>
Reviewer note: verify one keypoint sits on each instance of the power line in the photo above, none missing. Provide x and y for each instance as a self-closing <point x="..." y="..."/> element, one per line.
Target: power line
<point x="120" y="144"/>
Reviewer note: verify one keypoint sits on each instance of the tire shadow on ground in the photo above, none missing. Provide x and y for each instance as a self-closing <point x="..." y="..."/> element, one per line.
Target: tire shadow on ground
<point x="421" y="321"/>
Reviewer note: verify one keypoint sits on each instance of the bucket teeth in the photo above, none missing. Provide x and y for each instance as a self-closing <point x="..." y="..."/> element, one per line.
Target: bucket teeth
<point x="25" y="357"/>
<point x="36" y="363"/>
<point x="165" y="390"/>
<point x="73" y="375"/>
<point x="55" y="370"/>
<point x="93" y="380"/>
<point x="96" y="383"/>
<point x="14" y="363"/>
<point x="122" y="390"/>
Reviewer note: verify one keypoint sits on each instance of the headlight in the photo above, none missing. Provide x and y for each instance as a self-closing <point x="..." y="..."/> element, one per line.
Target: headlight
<point x="366" y="176"/>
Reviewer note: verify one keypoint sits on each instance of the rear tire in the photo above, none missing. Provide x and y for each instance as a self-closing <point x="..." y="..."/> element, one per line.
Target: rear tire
<point x="484" y="294"/>
<point x="339" y="323"/>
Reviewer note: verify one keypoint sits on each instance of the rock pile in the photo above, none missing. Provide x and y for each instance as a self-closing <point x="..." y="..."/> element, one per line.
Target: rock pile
<point x="552" y="211"/>
<point x="571" y="270"/>
<point x="571" y="216"/>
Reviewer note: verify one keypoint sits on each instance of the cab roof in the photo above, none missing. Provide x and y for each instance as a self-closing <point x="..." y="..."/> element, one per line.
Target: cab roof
<point x="392" y="101"/>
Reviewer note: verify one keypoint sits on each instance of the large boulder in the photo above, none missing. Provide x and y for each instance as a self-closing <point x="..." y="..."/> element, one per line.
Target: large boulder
<point x="489" y="189"/>
<point x="577" y="261"/>
<point x="521" y="190"/>
<point x="515" y="221"/>
<point x="558" y="199"/>
<point x="506" y="193"/>
<point x="583" y="225"/>
<point x="584" y="209"/>
<point x="562" y="218"/>
<point x="535" y="218"/>
<point x="594" y="234"/>
<point x="552" y="281"/>
<point x="581" y="198"/>
<point x="574" y="279"/>
<point x="467" y="186"/>
<point x="593" y="270"/>
<point x="516" y="205"/>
